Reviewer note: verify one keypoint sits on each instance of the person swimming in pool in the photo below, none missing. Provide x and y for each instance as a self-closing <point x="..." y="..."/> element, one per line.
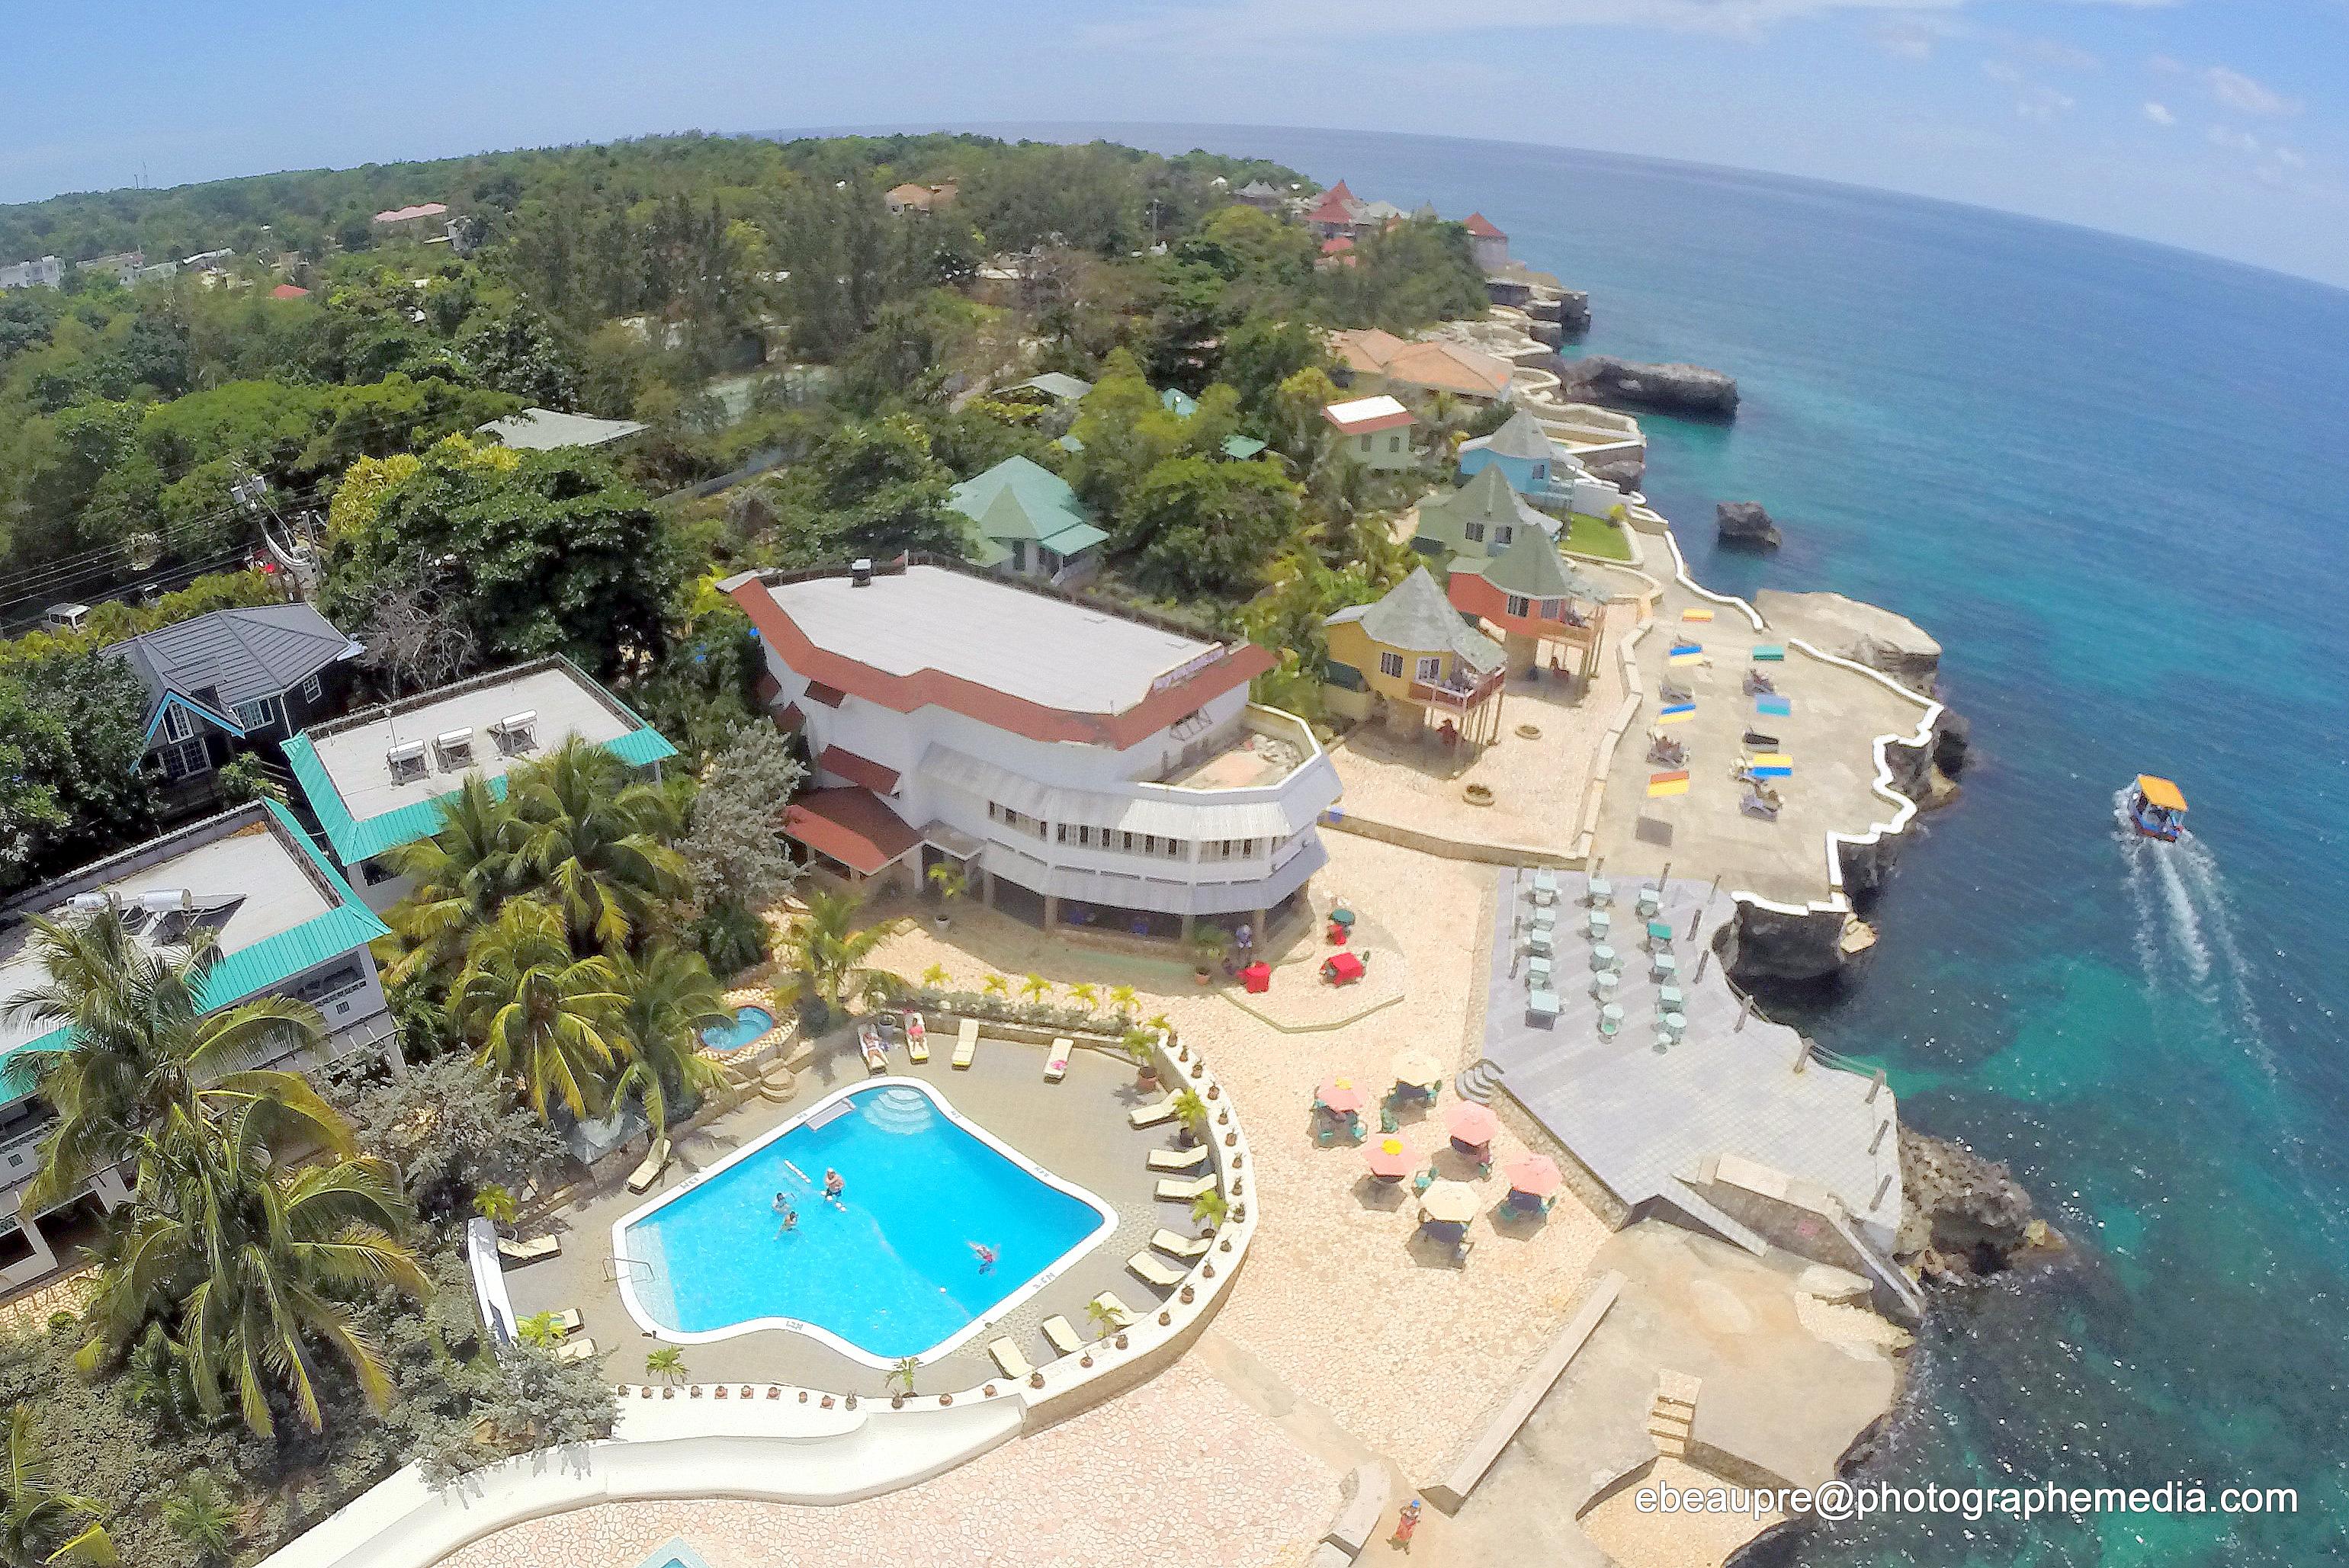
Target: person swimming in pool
<point x="986" y="1256"/>
<point x="790" y="1216"/>
<point x="833" y="1187"/>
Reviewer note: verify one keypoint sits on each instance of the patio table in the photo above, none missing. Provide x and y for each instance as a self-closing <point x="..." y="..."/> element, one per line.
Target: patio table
<point x="1542" y="1005"/>
<point x="1674" y="1025"/>
<point x="1538" y="939"/>
<point x="1650" y="902"/>
<point x="1669" y="999"/>
<point x="1602" y="892"/>
<point x="1603" y="984"/>
<point x="1537" y="971"/>
<point x="1602" y="956"/>
<point x="1546" y="917"/>
<point x="1664" y="966"/>
<point x="1611" y="1018"/>
<point x="1600" y="922"/>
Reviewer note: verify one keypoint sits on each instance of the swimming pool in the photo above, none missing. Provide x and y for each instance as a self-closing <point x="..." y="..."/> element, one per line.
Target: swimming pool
<point x="750" y="1022"/>
<point x="888" y="1272"/>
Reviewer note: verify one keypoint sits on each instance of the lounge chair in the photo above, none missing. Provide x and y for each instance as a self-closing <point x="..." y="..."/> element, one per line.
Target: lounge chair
<point x="1153" y="1271"/>
<point x="1761" y="742"/>
<point x="656" y="1162"/>
<point x="1173" y="1192"/>
<point x="1180" y="1246"/>
<point x="1178" y="1159"/>
<point x="1154" y="1113"/>
<point x="918" y="1036"/>
<point x="876" y="1053"/>
<point x="1056" y="1064"/>
<point x="1674" y="688"/>
<point x="1664" y="751"/>
<point x="1121" y="1314"/>
<point x="1062" y="1334"/>
<point x="516" y="1251"/>
<point x="1007" y="1356"/>
<point x="568" y="1320"/>
<point x="966" y="1042"/>
<point x="1757" y="683"/>
<point x="1757" y="802"/>
<point x="580" y="1349"/>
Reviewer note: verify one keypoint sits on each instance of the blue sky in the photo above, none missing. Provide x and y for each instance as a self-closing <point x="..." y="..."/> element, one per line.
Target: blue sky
<point x="2219" y="124"/>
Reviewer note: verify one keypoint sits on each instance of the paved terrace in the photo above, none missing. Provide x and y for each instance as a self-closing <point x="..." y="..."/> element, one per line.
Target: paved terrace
<point x="1837" y="713"/>
<point x="1076" y="1128"/>
<point x="1639" y="1113"/>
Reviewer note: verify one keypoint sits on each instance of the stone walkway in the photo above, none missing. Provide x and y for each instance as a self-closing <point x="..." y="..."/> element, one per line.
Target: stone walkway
<point x="1179" y="1473"/>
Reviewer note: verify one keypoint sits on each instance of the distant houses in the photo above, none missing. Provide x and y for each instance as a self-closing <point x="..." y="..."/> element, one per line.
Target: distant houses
<point x="921" y="199"/>
<point x="48" y="273"/>
<point x="1377" y="361"/>
<point x="1374" y="432"/>
<point x="549" y="430"/>
<point x="1412" y="660"/>
<point x="1498" y="558"/>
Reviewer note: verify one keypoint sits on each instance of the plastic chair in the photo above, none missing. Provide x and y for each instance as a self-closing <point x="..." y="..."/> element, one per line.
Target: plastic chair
<point x="1602" y="892"/>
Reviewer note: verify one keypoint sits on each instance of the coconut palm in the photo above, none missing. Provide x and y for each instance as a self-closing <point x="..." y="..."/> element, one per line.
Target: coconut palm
<point x="1209" y="1208"/>
<point x="39" y="1525"/>
<point x="995" y="986"/>
<point x="901" y="1375"/>
<point x="538" y="1013"/>
<point x="200" y="1515"/>
<point x="257" y="1262"/>
<point x="935" y="977"/>
<point x="825" y="955"/>
<point x="669" y="996"/>
<point x="138" y="1039"/>
<point x="496" y="1205"/>
<point x="666" y="1363"/>
<point x="595" y="843"/>
<point x="1034" y="986"/>
<point x="540" y="1330"/>
<point x="1124" y="999"/>
<point x="1085" y="995"/>
<point x="459" y="876"/>
<point x="1106" y="1319"/>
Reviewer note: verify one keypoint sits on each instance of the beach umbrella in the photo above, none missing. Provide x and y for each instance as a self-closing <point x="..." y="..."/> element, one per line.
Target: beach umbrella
<point x="1417" y="1068"/>
<point x="1470" y="1123"/>
<point x="1535" y="1175"/>
<point x="1388" y="1160"/>
<point x="1449" y="1203"/>
<point x="1340" y="1095"/>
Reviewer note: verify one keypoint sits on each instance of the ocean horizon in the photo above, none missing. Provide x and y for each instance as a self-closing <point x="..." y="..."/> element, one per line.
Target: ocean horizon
<point x="2110" y="477"/>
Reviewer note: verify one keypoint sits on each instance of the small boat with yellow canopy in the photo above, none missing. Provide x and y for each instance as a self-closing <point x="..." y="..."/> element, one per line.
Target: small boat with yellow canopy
<point x="2157" y="809"/>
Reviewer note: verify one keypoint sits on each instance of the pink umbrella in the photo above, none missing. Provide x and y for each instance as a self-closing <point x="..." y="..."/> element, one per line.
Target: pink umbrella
<point x="1470" y="1123"/>
<point x="1340" y="1096"/>
<point x="1535" y="1175"/>
<point x="1388" y="1160"/>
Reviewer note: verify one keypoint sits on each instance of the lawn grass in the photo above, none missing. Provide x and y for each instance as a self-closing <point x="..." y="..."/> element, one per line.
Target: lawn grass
<point x="1588" y="535"/>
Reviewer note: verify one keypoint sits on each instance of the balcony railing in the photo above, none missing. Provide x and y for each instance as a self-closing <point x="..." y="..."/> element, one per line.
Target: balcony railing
<point x="1460" y="698"/>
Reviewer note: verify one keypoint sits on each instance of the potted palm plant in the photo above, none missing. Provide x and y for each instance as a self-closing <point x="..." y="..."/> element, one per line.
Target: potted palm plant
<point x="1208" y="946"/>
<point x="1190" y="1113"/>
<point x="952" y="882"/>
<point x="1140" y="1046"/>
<point x="901" y="1378"/>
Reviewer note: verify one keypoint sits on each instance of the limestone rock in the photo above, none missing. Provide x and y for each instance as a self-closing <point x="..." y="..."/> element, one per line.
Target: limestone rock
<point x="1963" y="1218"/>
<point x="1952" y="737"/>
<point x="1674" y="388"/>
<point x="1623" y="473"/>
<point x="1574" y="311"/>
<point x="1863" y="634"/>
<point x="1745" y="522"/>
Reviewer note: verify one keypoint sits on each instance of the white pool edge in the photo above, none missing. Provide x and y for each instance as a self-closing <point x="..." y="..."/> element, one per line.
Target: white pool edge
<point x="1002" y="1308"/>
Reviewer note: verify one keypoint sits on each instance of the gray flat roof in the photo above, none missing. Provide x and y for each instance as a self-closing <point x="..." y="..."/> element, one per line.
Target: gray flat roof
<point x="352" y="752"/>
<point x="1049" y="651"/>
<point x="278" y="890"/>
<point x="547" y="429"/>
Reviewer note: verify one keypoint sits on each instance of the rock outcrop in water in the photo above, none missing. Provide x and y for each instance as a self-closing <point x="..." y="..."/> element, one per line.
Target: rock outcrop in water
<point x="1623" y="473"/>
<point x="1963" y="1218"/>
<point x="1747" y="523"/>
<point x="1667" y="389"/>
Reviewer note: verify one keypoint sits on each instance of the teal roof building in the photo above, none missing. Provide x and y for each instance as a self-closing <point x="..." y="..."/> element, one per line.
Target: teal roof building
<point x="1026" y="521"/>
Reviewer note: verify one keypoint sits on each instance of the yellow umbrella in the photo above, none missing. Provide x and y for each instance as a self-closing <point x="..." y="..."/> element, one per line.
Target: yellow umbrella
<point x="1450" y="1203"/>
<point x="1417" y="1068"/>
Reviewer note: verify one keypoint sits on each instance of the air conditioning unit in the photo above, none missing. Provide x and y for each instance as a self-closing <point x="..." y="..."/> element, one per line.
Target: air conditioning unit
<point x="407" y="762"/>
<point x="455" y="748"/>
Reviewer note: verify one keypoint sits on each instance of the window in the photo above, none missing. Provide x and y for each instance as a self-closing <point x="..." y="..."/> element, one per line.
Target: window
<point x="1391" y="666"/>
<point x="312" y="689"/>
<point x="1365" y="440"/>
<point x="375" y="874"/>
<point x="1475" y="532"/>
<point x="1553" y="609"/>
<point x="1394" y="443"/>
<point x="1520" y="606"/>
<point x="177" y="725"/>
<point x="260" y="714"/>
<point x="1018" y="555"/>
<point x="185" y="760"/>
<point x="1430" y="670"/>
<point x="1502" y="533"/>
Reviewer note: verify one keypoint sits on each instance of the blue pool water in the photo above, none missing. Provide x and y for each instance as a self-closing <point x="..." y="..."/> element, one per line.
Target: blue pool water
<point x="889" y="1271"/>
<point x="749" y="1024"/>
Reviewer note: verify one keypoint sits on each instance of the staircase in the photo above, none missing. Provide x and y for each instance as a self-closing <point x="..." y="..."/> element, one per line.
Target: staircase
<point x="1672" y="1413"/>
<point x="1477" y="1083"/>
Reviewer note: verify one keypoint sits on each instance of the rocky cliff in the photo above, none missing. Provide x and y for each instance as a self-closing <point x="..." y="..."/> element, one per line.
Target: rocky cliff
<point x="1963" y="1218"/>
<point x="1667" y="389"/>
<point x="1864" y="634"/>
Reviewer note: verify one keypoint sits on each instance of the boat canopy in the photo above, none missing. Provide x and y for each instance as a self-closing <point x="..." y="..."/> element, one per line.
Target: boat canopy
<point x="2159" y="792"/>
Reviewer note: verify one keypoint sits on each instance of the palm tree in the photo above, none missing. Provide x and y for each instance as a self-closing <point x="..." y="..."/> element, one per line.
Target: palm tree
<point x="138" y="1040"/>
<point x="1124" y="1000"/>
<point x="200" y="1514"/>
<point x="37" y="1525"/>
<point x="952" y="882"/>
<point x="596" y="843"/>
<point x="496" y="1205"/>
<point x="824" y="956"/>
<point x="1106" y="1319"/>
<point x="901" y="1375"/>
<point x="1085" y="995"/>
<point x="461" y="875"/>
<point x="1192" y="1112"/>
<point x="668" y="997"/>
<point x="536" y="1013"/>
<point x="255" y="1260"/>
<point x="541" y="1331"/>
<point x="1209" y="1208"/>
<point x="1034" y="986"/>
<point x="935" y="977"/>
<point x="666" y="1363"/>
<point x="995" y="986"/>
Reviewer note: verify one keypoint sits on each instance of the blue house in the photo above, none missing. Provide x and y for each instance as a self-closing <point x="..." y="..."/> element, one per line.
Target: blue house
<point x="1522" y="450"/>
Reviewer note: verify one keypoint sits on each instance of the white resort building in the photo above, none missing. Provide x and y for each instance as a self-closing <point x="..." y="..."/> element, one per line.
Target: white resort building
<point x="374" y="778"/>
<point x="286" y="923"/>
<point x="1086" y="764"/>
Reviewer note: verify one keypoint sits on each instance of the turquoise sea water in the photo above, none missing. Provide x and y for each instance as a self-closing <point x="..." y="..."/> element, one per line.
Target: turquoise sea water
<point x="2114" y="480"/>
<point x="890" y="1268"/>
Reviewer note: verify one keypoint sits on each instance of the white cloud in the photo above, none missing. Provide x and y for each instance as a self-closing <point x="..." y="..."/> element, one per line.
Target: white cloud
<point x="2043" y="104"/>
<point x="2002" y="72"/>
<point x="2234" y="140"/>
<point x="2159" y="113"/>
<point x="2057" y="53"/>
<point x="2242" y="93"/>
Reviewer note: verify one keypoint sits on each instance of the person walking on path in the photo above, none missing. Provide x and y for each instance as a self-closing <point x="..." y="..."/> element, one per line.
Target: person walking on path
<point x="1407" y="1525"/>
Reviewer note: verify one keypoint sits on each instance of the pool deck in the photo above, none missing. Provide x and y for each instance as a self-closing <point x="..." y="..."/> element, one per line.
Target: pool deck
<point x="1077" y="1129"/>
